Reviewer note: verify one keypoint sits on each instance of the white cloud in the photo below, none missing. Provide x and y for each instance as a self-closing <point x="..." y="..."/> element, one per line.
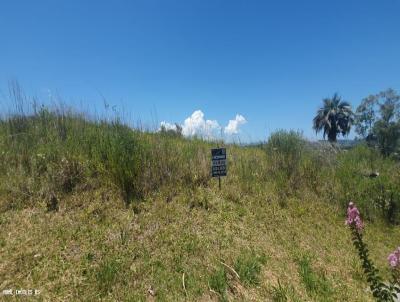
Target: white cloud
<point x="233" y="125"/>
<point x="196" y="124"/>
<point x="167" y="126"/>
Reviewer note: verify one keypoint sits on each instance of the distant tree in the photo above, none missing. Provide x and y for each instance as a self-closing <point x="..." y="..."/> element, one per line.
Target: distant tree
<point x="378" y="120"/>
<point x="334" y="118"/>
<point x="366" y="115"/>
<point x="387" y="128"/>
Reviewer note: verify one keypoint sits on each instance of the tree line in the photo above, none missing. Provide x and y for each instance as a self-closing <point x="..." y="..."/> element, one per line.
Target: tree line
<point x="376" y="120"/>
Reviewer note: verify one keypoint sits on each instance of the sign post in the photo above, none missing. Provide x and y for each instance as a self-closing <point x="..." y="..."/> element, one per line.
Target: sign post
<point x="218" y="161"/>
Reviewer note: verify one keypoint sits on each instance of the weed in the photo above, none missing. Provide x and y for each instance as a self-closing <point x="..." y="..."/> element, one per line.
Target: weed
<point x="314" y="283"/>
<point x="218" y="282"/>
<point x="123" y="235"/>
<point x="106" y="275"/>
<point x="282" y="293"/>
<point x="380" y="290"/>
<point x="90" y="256"/>
<point x="248" y="265"/>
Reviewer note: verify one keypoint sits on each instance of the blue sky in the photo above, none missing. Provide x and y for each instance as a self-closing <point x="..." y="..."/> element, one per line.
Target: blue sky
<point x="269" y="61"/>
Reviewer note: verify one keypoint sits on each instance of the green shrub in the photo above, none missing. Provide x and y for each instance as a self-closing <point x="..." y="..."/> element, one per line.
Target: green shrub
<point x="118" y="154"/>
<point x="289" y="144"/>
<point x="286" y="151"/>
<point x="376" y="196"/>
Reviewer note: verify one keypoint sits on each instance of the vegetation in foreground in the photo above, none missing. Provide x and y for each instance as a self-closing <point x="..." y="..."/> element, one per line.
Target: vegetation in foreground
<point x="385" y="292"/>
<point x="94" y="210"/>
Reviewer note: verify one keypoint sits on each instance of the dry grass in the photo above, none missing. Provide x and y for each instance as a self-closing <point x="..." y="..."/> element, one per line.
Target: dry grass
<point x="127" y="216"/>
<point x="103" y="251"/>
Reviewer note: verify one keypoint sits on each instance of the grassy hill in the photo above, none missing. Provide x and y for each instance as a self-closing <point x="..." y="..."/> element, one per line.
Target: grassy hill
<point x="94" y="210"/>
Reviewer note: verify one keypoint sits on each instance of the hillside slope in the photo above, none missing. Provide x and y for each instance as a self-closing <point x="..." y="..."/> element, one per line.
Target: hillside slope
<point x="94" y="211"/>
<point x="84" y="252"/>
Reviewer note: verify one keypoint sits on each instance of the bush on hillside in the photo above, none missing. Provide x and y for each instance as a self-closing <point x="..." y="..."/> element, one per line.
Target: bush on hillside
<point x="377" y="196"/>
<point x="286" y="150"/>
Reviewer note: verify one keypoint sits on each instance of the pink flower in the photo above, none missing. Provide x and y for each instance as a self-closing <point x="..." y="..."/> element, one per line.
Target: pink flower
<point x="353" y="217"/>
<point x="394" y="258"/>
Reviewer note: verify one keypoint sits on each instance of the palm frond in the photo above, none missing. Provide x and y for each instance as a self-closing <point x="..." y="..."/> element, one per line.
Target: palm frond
<point x="334" y="117"/>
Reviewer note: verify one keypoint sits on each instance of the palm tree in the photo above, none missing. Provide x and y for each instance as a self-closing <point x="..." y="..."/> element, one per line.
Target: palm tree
<point x="335" y="117"/>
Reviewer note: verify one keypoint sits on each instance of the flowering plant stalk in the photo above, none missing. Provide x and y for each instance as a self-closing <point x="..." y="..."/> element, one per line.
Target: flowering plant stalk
<point x="394" y="262"/>
<point x="380" y="290"/>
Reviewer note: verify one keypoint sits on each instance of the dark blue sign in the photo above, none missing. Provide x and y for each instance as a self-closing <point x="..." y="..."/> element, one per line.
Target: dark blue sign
<point x="218" y="160"/>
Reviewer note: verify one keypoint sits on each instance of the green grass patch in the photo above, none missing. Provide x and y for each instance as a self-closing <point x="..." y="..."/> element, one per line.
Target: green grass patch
<point x="283" y="293"/>
<point x="248" y="265"/>
<point x="316" y="284"/>
<point x="218" y="282"/>
<point x="106" y="275"/>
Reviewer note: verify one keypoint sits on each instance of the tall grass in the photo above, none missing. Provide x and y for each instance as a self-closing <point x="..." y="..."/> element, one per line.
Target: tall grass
<point x="338" y="175"/>
<point x="315" y="283"/>
<point x="54" y="151"/>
